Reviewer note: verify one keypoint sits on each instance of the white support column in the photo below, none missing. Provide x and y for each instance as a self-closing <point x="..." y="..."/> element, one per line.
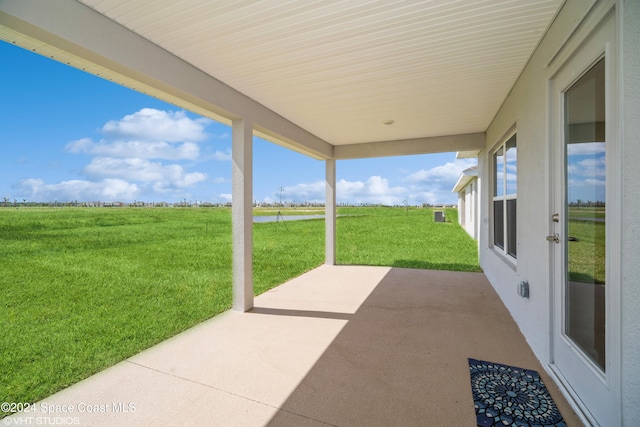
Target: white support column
<point x="242" y="214"/>
<point x="330" y="212"/>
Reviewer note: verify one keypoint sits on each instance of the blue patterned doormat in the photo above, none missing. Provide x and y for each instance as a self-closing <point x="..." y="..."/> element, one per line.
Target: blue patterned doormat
<point x="509" y="396"/>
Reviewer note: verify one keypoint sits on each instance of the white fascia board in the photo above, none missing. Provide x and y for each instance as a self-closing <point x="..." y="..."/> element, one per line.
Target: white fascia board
<point x="471" y="171"/>
<point x="79" y="36"/>
<point x="471" y="154"/>
<point x="462" y="182"/>
<point x="429" y="145"/>
<point x="465" y="178"/>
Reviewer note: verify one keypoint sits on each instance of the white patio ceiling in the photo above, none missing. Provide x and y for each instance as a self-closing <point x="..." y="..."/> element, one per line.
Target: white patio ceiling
<point x="343" y="70"/>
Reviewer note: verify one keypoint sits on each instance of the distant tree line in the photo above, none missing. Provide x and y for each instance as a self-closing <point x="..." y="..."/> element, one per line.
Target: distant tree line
<point x="588" y="204"/>
<point x="15" y="203"/>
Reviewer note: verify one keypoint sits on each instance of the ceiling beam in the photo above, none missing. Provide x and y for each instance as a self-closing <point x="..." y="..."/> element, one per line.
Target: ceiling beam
<point x="73" y="33"/>
<point x="436" y="144"/>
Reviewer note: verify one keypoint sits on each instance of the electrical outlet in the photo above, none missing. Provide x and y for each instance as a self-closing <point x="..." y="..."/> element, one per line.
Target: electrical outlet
<point x="523" y="289"/>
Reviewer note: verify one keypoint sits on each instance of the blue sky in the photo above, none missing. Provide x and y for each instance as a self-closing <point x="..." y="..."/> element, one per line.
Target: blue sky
<point x="586" y="173"/>
<point x="67" y="135"/>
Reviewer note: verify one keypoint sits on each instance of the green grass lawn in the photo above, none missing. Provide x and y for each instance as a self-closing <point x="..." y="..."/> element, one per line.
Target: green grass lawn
<point x="586" y="254"/>
<point x="404" y="238"/>
<point x="86" y="288"/>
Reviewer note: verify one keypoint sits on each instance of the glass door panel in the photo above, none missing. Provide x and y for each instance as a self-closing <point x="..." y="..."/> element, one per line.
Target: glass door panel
<point x="585" y="153"/>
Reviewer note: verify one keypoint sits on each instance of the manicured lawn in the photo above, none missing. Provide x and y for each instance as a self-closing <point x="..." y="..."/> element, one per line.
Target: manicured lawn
<point x="86" y="288"/>
<point x="587" y="252"/>
<point x="400" y="238"/>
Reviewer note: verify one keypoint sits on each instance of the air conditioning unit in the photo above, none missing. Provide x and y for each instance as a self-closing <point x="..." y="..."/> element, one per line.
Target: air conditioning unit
<point x="438" y="216"/>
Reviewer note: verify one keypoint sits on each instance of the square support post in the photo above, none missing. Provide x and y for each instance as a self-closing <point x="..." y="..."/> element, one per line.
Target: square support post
<point x="242" y="214"/>
<point x="330" y="212"/>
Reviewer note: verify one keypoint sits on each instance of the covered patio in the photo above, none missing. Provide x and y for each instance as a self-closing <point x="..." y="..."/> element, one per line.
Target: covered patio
<point x="351" y="80"/>
<point x="339" y="345"/>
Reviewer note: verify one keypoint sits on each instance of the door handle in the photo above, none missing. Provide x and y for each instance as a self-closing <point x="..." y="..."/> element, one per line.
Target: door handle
<point x="555" y="238"/>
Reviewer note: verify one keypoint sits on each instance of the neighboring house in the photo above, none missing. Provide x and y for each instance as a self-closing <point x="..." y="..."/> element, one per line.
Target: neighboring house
<point x="467" y="189"/>
<point x="545" y="93"/>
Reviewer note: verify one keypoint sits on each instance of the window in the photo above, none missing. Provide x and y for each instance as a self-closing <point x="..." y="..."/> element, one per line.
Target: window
<point x="505" y="168"/>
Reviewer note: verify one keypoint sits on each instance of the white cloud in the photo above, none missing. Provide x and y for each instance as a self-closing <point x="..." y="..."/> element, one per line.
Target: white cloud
<point x="586" y="171"/>
<point x="138" y="149"/>
<point x="586" y="160"/>
<point x="592" y="167"/>
<point x="425" y="186"/>
<point x="446" y="174"/>
<point x="376" y="189"/>
<point x="162" y="176"/>
<point x="434" y="185"/>
<point x="131" y="160"/>
<point x="150" y="124"/>
<point x="586" y="148"/>
<point x="147" y="134"/>
<point x="104" y="190"/>
<point x="314" y="192"/>
<point x="84" y="145"/>
<point x="595" y="182"/>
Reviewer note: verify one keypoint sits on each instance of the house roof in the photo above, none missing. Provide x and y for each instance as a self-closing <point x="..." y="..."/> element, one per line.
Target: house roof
<point x="465" y="178"/>
<point x="332" y="79"/>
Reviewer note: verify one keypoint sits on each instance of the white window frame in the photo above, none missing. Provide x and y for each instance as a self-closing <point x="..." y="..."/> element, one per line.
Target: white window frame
<point x="504" y="197"/>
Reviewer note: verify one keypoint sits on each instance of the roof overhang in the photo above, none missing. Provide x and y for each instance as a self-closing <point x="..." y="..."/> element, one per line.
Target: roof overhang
<point x="465" y="178"/>
<point x="469" y="154"/>
<point x="329" y="79"/>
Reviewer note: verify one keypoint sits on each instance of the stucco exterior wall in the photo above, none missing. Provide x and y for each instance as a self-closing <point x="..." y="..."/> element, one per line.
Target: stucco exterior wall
<point x="526" y="107"/>
<point x="630" y="113"/>
<point x="468" y="215"/>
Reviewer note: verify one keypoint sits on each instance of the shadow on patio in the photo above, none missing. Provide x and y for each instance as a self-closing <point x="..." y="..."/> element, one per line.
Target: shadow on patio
<point x="402" y="357"/>
<point x="340" y="345"/>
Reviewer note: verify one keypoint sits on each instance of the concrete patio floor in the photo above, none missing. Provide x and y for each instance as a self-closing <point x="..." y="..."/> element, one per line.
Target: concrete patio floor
<point x="339" y="345"/>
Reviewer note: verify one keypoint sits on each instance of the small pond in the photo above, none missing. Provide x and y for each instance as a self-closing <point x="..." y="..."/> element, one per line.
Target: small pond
<point x="275" y="218"/>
